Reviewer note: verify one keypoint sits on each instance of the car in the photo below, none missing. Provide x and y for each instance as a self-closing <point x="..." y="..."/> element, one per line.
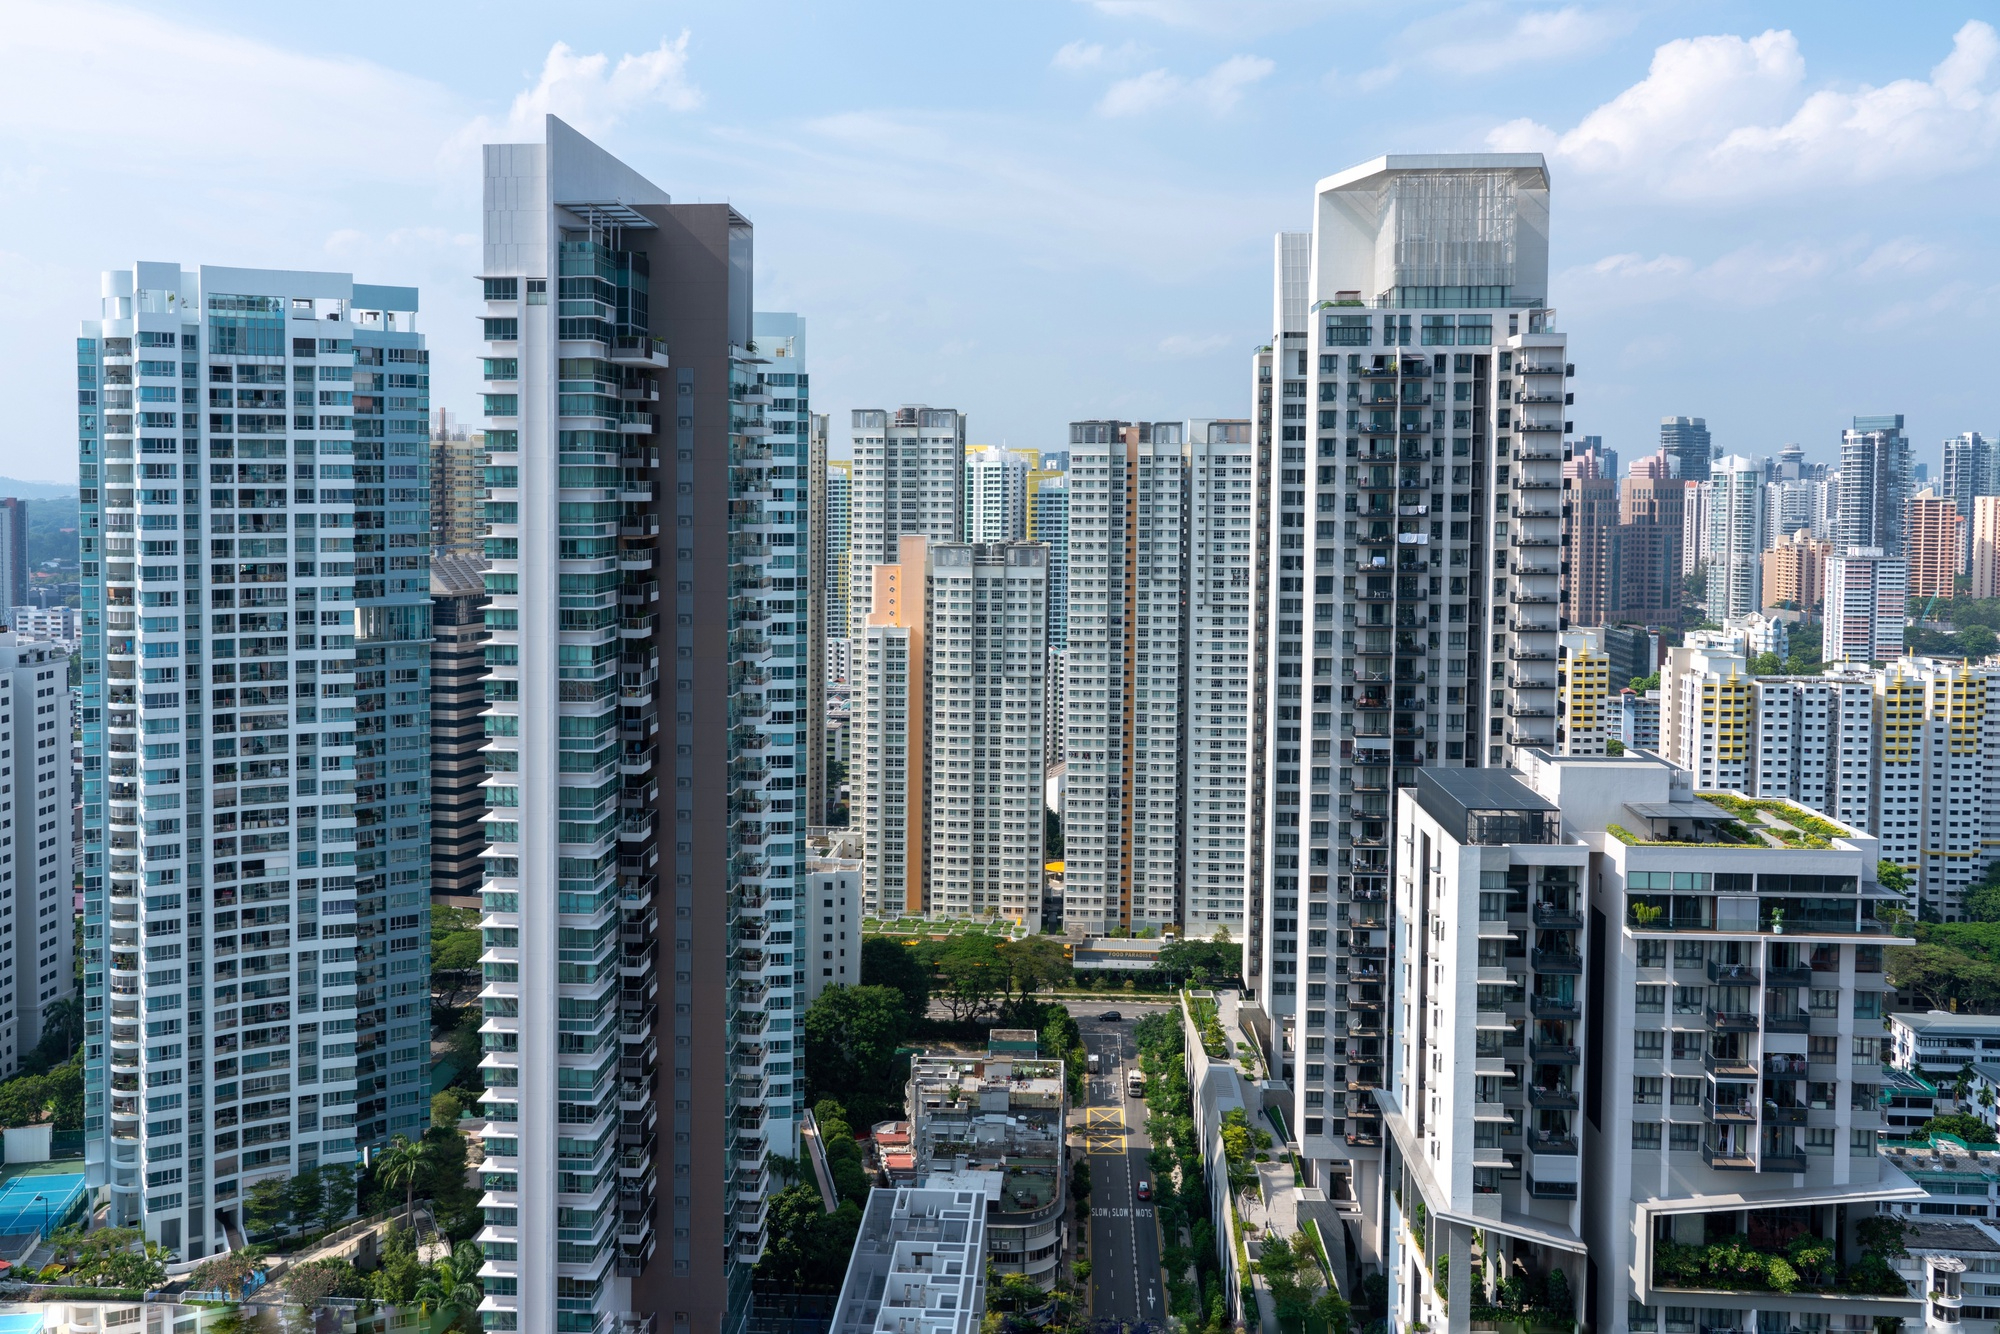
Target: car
<point x="1145" y="1189"/>
<point x="1110" y="1017"/>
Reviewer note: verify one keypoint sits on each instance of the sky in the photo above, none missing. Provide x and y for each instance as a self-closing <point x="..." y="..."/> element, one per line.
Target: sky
<point x="1770" y="216"/>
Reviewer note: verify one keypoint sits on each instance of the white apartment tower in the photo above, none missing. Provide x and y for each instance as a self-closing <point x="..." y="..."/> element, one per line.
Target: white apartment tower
<point x="1937" y="779"/>
<point x="1736" y="528"/>
<point x="1221" y="485"/>
<point x="909" y="467"/>
<point x="839" y="551"/>
<point x="1866" y="596"/>
<point x="1874" y="483"/>
<point x="253" y="464"/>
<point x="1971" y="470"/>
<point x="1048" y="523"/>
<point x="1414" y="540"/>
<point x="644" y="830"/>
<point x="1813" y="742"/>
<point x="996" y="495"/>
<point x="37" y="960"/>
<point x="950" y="697"/>
<point x="1705" y="712"/>
<point x="1122" y="829"/>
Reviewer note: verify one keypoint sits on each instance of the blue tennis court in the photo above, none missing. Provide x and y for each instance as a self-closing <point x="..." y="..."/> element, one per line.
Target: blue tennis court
<point x="38" y="1203"/>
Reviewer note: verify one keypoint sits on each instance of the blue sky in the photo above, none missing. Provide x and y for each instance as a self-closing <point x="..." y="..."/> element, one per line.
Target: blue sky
<point x="1771" y="216"/>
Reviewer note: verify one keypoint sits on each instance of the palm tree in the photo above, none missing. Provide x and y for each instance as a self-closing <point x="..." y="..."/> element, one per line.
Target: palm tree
<point x="399" y="1164"/>
<point x="453" y="1282"/>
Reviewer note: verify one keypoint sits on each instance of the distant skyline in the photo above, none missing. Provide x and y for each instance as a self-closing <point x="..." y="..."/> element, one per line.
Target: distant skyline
<point x="1772" y="217"/>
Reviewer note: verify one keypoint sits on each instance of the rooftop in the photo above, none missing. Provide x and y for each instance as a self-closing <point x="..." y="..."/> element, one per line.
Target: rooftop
<point x="1944" y="1021"/>
<point x="1487" y="806"/>
<point x="1921" y="1235"/>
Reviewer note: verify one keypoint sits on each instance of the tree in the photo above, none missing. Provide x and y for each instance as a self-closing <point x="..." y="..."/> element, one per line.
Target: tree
<point x="396" y="1280"/>
<point x="808" y="1247"/>
<point x="453" y="1282"/>
<point x="973" y="973"/>
<point x="62" y="1029"/>
<point x="1766" y="664"/>
<point x="399" y="1165"/>
<point x="852" y="1034"/>
<point x="1962" y="1124"/>
<point x="1977" y="641"/>
<point x="225" y="1273"/>
<point x="1982" y="904"/>
<point x="891" y="963"/>
<point x="264" y="1206"/>
<point x="336" y="1200"/>
<point x="311" y="1283"/>
<point x="302" y="1195"/>
<point x="1642" y="684"/>
<point x="454" y="967"/>
<point x="1037" y="962"/>
<point x="1941" y="977"/>
<point x="1205" y="961"/>
<point x="1892" y="876"/>
<point x="454" y="1204"/>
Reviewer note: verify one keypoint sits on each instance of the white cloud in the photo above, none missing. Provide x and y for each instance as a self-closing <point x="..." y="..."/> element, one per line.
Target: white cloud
<point x="1849" y="270"/>
<point x="1235" y="17"/>
<point x="1182" y="346"/>
<point x="1469" y="40"/>
<point x="1219" y="90"/>
<point x="593" y="95"/>
<point x="1079" y="56"/>
<point x="1723" y="116"/>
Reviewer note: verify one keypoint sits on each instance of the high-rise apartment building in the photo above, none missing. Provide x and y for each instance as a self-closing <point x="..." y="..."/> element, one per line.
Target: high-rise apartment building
<point x="1414" y="532"/>
<point x="255" y="734"/>
<point x="1695" y="526"/>
<point x="1643" y="569"/>
<point x="458" y="486"/>
<point x="1874" y="484"/>
<point x="1865" y="602"/>
<point x="37" y="956"/>
<point x="1048" y="523"/>
<point x="839" y="553"/>
<point x="1221" y="481"/>
<point x="1788" y="508"/>
<point x="1934" y="536"/>
<point x="1705" y="711"/>
<point x="1687" y="442"/>
<point x="1971" y="470"/>
<point x="1735" y="537"/>
<point x="458" y="729"/>
<point x="1983" y="556"/>
<point x="1593" y="523"/>
<point x="1937" y="747"/>
<point x="909" y="468"/>
<point x="996" y="495"/>
<point x="952" y="696"/>
<point x="14" y="543"/>
<point x="1813" y="741"/>
<point x="1122" y="823"/>
<point x="1585" y="701"/>
<point x="1795" y="572"/>
<point x="643" y="800"/>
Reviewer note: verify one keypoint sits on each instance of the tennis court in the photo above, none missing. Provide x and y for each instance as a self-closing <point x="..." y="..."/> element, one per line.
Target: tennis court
<point x="21" y="1211"/>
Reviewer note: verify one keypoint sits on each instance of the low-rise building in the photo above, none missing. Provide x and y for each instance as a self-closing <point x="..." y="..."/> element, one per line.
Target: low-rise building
<point x="1937" y="1044"/>
<point x="917" y="1265"/>
<point x="1003" y="1113"/>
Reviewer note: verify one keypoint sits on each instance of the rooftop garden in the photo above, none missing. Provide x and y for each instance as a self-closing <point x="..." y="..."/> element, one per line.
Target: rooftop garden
<point x="1794" y="826"/>
<point x="1208" y="1023"/>
<point x="1804" y="1264"/>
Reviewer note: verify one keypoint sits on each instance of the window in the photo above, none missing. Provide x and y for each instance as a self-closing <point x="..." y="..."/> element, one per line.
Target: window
<point x="1867" y="1050"/>
<point x="502" y="289"/>
<point x="1638" y="1316"/>
<point x="1819" y="1140"/>
<point x="502" y="330"/>
<point x="1684" y="1139"/>
<point x="1687" y="1046"/>
<point x="1649" y="1000"/>
<point x="1646" y="1090"/>
<point x="1687" y="1092"/>
<point x="1861" y="1143"/>
<point x="1822" y="1050"/>
<point x="1867" y="1005"/>
<point x="1649" y="1046"/>
<point x="1652" y="954"/>
<point x="1688" y="1000"/>
<point x="1645" y="1134"/>
<point x="1824" y="1001"/>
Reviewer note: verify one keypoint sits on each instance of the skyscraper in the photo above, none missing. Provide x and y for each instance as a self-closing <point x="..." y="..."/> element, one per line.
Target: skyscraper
<point x="14" y="551"/>
<point x="1221" y="481"/>
<point x="1122" y="830"/>
<point x="458" y="487"/>
<point x="1934" y="534"/>
<point x="1874" y="483"/>
<point x="37" y="963"/>
<point x="996" y="495"/>
<point x="1643" y="573"/>
<point x="218" y="693"/>
<point x="1048" y="523"/>
<point x="1971" y="469"/>
<point x="1412" y="331"/>
<point x="1686" y="440"/>
<point x="1866" y="595"/>
<point x="819" y="644"/>
<point x="1735" y="537"/>
<point x="1983" y="563"/>
<point x="909" y="468"/>
<point x="797" y="442"/>
<point x="458" y="732"/>
<point x="644" y="757"/>
<point x="839" y="552"/>
<point x="1593" y="522"/>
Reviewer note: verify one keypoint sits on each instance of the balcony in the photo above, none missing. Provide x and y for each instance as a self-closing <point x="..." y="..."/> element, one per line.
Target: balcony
<point x="1728" y="1067"/>
<point x="1557" y="961"/>
<point x="1786" y="1020"/>
<point x="1553" y="1007"/>
<point x="1783" y="1114"/>
<point x="1557" y="917"/>
<point x="1790" y="977"/>
<point x="1726" y="1158"/>
<point x="1742" y="974"/>
<point x="1782" y="1162"/>
<point x="1738" y="1110"/>
<point x="1552" y="1098"/>
<point x="1784" y="1067"/>
<point x="1557" y="1053"/>
<point x="1731" y="1021"/>
<point x="1550" y="1190"/>
<point x="1552" y="1143"/>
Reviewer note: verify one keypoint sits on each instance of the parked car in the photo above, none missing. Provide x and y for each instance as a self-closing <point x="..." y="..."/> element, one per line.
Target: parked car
<point x="1110" y="1017"/>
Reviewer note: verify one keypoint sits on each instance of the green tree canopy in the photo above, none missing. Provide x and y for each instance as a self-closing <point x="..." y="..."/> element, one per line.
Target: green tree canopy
<point x="971" y="971"/>
<point x="1036" y="963"/>
<point x="1204" y="961"/>
<point x="808" y="1247"/>
<point x="891" y="963"/>
<point x="1962" y="1124"/>
<point x="851" y="1036"/>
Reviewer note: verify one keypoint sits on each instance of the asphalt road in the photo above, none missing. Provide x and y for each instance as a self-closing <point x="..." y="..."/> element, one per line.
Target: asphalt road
<point x="1125" y="1283"/>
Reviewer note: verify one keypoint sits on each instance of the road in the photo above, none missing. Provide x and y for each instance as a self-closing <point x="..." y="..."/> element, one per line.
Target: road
<point x="1125" y="1281"/>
